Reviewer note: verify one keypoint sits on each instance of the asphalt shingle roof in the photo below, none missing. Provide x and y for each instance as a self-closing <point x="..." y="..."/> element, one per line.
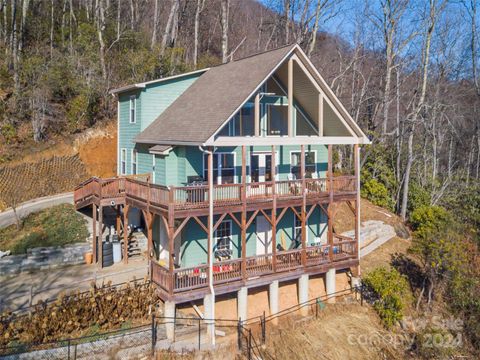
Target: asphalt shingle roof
<point x="202" y="109"/>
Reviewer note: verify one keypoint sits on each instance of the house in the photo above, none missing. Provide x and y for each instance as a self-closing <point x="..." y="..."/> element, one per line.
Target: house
<point x="243" y="152"/>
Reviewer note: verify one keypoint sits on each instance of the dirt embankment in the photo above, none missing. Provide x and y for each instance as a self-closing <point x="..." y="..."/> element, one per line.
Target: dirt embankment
<point x="60" y="167"/>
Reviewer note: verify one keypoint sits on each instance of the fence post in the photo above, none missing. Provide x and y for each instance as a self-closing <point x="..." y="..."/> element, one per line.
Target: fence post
<point x="249" y="344"/>
<point x="239" y="335"/>
<point x="199" y="333"/>
<point x="361" y="295"/>
<point x="68" y="345"/>
<point x="75" y="352"/>
<point x="263" y="328"/>
<point x="154" y="334"/>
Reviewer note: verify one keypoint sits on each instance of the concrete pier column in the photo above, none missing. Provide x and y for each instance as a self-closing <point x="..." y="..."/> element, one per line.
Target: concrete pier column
<point x="273" y="300"/>
<point x="242" y="300"/>
<point x="303" y="292"/>
<point x="209" y="316"/>
<point x="169" y="313"/>
<point x="330" y="285"/>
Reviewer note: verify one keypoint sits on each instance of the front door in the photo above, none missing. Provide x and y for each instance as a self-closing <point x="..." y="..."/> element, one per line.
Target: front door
<point x="261" y="167"/>
<point x="264" y="235"/>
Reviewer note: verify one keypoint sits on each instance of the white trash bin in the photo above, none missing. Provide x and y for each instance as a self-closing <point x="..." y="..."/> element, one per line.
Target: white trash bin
<point x="117" y="252"/>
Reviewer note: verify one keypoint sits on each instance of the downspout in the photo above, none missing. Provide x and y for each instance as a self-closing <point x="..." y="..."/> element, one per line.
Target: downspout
<point x="210" y="233"/>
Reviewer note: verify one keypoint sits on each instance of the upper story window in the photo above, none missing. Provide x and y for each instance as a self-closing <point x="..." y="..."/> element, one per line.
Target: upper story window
<point x="242" y="124"/>
<point x="123" y="162"/>
<point x="310" y="164"/>
<point x="133" y="109"/>
<point x="277" y="119"/>
<point x="223" y="168"/>
<point x="134" y="161"/>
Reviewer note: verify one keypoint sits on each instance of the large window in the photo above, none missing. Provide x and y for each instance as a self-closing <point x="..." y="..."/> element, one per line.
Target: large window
<point x="310" y="163"/>
<point x="223" y="236"/>
<point x="123" y="162"/>
<point x="223" y="168"/>
<point x="242" y="124"/>
<point x="134" y="161"/>
<point x="133" y="109"/>
<point x="297" y="230"/>
<point x="277" y="120"/>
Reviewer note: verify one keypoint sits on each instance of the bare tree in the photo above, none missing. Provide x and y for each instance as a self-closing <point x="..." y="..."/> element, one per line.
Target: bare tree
<point x="224" y="21"/>
<point x="101" y="41"/>
<point x="198" y="10"/>
<point x="434" y="12"/>
<point x="155" y="25"/>
<point x="170" y="22"/>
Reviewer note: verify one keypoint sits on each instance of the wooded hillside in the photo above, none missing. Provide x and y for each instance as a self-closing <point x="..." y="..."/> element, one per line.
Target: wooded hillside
<point x="406" y="70"/>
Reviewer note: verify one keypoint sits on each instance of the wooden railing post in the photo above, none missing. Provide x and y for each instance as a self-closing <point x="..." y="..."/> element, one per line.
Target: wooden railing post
<point x="356" y="150"/>
<point x="171" y="240"/>
<point x="330" y="201"/>
<point x="274" y="211"/>
<point x="304" y="205"/>
<point x="94" y="233"/>
<point x="244" y="213"/>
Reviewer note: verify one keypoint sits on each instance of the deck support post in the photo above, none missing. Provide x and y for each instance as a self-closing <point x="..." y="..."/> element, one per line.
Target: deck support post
<point x="209" y="316"/>
<point x="100" y="236"/>
<point x="126" y="209"/>
<point x="242" y="303"/>
<point x="330" y="285"/>
<point x="170" y="234"/>
<point x="118" y="220"/>
<point x="273" y="300"/>
<point x="304" y="206"/>
<point x="274" y="210"/>
<point x="330" y="203"/>
<point x="356" y="151"/>
<point x="244" y="213"/>
<point x="303" y="293"/>
<point x="169" y="311"/>
<point x="94" y="233"/>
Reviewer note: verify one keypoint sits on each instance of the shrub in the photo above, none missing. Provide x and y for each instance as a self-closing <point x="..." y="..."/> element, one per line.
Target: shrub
<point x="377" y="193"/>
<point x="389" y="290"/>
<point x="429" y="219"/>
<point x="418" y="196"/>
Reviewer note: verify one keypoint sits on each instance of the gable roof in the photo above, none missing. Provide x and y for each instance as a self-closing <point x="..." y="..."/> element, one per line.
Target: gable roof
<point x="144" y="84"/>
<point x="212" y="99"/>
<point x="208" y="104"/>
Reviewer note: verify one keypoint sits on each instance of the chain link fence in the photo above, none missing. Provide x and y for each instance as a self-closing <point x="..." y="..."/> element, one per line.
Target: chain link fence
<point x="142" y="341"/>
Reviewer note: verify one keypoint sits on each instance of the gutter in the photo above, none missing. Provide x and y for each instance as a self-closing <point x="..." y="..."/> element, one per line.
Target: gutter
<point x="210" y="234"/>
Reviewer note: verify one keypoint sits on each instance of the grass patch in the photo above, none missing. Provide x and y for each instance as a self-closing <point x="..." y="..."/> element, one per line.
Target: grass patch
<point x="57" y="226"/>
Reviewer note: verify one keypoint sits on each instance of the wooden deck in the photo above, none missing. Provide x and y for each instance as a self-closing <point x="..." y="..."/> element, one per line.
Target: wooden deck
<point x="193" y="200"/>
<point x="191" y="283"/>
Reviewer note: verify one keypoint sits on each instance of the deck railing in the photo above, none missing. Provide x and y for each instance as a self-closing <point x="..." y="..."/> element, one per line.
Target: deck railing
<point x="229" y="271"/>
<point x="192" y="197"/>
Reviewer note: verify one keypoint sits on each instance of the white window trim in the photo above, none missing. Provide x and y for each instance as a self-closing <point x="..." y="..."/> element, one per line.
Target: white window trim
<point x="133" y="162"/>
<point x="300" y="152"/>
<point x="277" y="160"/>
<point x="230" y="237"/>
<point x="310" y="122"/>
<point x="204" y="167"/>
<point x="154" y="165"/>
<point x="123" y="151"/>
<point x="266" y="120"/>
<point x="134" y="98"/>
<point x="300" y="228"/>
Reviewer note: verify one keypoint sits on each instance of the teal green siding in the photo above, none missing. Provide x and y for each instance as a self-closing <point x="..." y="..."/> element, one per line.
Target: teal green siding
<point x="151" y="101"/>
<point x="194" y="239"/>
<point x="183" y="162"/>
